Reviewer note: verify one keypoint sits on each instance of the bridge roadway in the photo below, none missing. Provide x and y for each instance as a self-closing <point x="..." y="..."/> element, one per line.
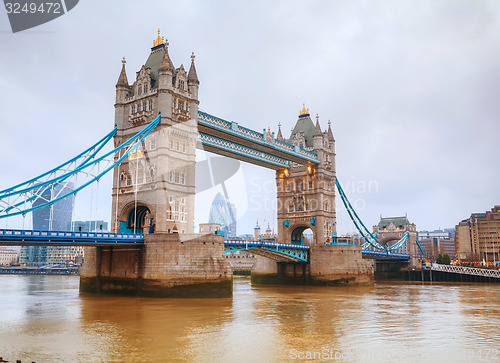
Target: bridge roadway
<point x="270" y="249"/>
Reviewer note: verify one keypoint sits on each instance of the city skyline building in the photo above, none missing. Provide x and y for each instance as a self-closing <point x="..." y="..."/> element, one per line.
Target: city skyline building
<point x="224" y="213"/>
<point x="477" y="238"/>
<point x="50" y="218"/>
<point x="8" y="256"/>
<point x="440" y="241"/>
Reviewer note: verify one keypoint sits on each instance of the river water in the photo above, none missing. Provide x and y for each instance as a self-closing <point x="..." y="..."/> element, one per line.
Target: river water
<point x="45" y="319"/>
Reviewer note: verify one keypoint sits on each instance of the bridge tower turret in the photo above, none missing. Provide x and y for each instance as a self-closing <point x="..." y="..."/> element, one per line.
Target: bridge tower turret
<point x="193" y="85"/>
<point x="122" y="90"/>
<point x="306" y="193"/>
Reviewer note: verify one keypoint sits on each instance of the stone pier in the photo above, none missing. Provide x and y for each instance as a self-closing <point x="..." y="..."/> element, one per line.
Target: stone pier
<point x="328" y="265"/>
<point x="168" y="265"/>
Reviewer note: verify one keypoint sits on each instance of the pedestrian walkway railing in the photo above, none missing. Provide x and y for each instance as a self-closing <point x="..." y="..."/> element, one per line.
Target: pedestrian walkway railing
<point x="466" y="270"/>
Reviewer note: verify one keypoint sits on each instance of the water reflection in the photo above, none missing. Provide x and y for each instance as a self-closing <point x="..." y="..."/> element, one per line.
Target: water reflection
<point x="45" y="319"/>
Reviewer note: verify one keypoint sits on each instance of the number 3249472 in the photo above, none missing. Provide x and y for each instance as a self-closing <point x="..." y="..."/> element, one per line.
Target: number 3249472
<point x="32" y="8"/>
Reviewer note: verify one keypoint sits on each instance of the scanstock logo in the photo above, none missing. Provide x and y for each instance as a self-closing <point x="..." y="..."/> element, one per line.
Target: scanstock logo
<point x="26" y="14"/>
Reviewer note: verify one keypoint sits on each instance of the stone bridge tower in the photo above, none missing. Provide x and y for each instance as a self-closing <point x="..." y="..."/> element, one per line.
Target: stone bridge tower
<point x="306" y="193"/>
<point x="306" y="199"/>
<point x="391" y="229"/>
<point x="153" y="190"/>
<point x="153" y="193"/>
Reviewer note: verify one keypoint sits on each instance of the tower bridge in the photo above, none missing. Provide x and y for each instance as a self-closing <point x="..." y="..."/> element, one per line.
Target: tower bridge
<point x="150" y="251"/>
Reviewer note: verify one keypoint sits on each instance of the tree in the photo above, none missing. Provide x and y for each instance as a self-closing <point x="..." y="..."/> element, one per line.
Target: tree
<point x="446" y="259"/>
<point x="440" y="259"/>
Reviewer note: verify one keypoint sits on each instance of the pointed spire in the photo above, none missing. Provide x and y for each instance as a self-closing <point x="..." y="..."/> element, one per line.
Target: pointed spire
<point x="317" y="129"/>
<point x="330" y="133"/>
<point x="192" y="76"/>
<point x="122" y="80"/>
<point x="279" y="136"/>
<point x="166" y="64"/>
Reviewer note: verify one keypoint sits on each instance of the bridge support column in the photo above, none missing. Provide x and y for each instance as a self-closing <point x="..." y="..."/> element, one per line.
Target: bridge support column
<point x="169" y="265"/>
<point x="340" y="265"/>
<point x="328" y="265"/>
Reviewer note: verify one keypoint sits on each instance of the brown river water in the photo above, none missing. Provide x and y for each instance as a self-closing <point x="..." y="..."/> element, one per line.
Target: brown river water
<point x="46" y="319"/>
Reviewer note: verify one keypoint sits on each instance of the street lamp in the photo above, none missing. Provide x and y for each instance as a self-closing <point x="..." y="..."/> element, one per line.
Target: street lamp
<point x="485" y="252"/>
<point x="495" y="256"/>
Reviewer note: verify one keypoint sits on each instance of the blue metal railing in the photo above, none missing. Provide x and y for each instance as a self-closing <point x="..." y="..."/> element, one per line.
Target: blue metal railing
<point x="383" y="255"/>
<point x="18" y="236"/>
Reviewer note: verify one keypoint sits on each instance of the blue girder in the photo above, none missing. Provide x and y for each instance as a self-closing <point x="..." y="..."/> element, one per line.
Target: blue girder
<point x="34" y="188"/>
<point x="382" y="255"/>
<point x="244" y="151"/>
<point x="278" y="251"/>
<point x="274" y="146"/>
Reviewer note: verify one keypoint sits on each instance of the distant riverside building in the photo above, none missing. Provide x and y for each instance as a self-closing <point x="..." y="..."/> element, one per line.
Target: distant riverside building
<point x="8" y="257"/>
<point x="55" y="218"/>
<point x="477" y="238"/>
<point x="64" y="254"/>
<point x="224" y="213"/>
<point x="267" y="236"/>
<point x="437" y="242"/>
<point x="88" y="226"/>
<point x="256" y="231"/>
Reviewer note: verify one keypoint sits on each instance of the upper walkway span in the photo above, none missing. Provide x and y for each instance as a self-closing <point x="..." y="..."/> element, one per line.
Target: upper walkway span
<point x="230" y="139"/>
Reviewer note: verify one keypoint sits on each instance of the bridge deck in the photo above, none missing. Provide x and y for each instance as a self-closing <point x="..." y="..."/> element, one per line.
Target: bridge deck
<point x="271" y="249"/>
<point x="17" y="237"/>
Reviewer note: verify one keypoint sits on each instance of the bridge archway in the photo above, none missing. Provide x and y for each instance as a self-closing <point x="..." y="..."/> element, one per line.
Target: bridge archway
<point x="136" y="219"/>
<point x="390" y="238"/>
<point x="302" y="235"/>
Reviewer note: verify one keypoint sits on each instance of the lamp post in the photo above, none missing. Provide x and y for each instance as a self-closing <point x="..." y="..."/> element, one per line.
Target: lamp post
<point x="485" y="252"/>
<point x="495" y="255"/>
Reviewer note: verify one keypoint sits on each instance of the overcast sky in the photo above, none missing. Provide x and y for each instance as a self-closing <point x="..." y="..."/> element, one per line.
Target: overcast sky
<point x="412" y="89"/>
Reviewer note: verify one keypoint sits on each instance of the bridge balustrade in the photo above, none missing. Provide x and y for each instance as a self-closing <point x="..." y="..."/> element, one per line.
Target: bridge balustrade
<point x="466" y="270"/>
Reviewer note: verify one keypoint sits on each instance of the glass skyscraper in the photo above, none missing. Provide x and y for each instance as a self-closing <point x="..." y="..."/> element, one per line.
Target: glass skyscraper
<point x="55" y="218"/>
<point x="224" y="213"/>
